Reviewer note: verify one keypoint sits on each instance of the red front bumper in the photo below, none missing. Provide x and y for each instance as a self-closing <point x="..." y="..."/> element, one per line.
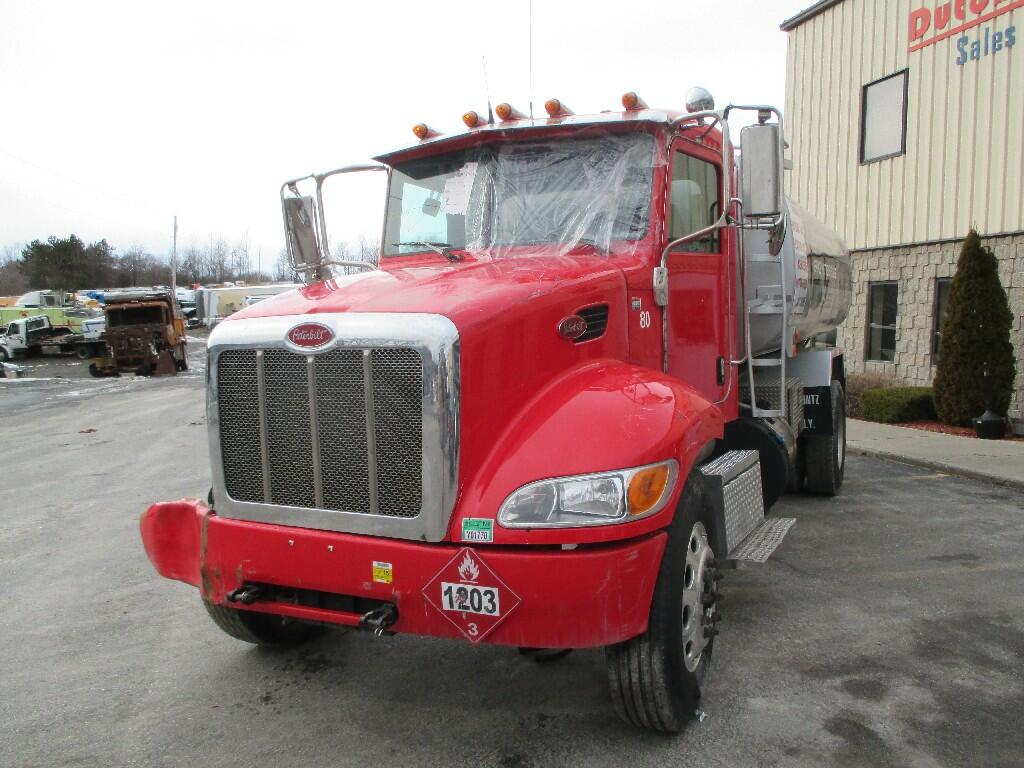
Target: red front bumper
<point x="580" y="598"/>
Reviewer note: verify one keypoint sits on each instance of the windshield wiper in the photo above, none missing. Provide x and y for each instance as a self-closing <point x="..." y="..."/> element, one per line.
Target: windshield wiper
<point x="443" y="249"/>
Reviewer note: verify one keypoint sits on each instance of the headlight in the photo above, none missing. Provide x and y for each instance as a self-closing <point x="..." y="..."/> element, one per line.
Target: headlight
<point x="598" y="499"/>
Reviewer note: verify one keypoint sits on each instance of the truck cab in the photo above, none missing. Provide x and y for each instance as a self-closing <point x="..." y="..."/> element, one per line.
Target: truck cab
<point x="28" y="334"/>
<point x="145" y="333"/>
<point x="547" y="415"/>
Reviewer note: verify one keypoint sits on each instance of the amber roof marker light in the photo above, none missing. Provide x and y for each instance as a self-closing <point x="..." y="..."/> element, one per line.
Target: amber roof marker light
<point x="423" y="131"/>
<point x="472" y="119"/>
<point x="506" y="111"/>
<point x="632" y="102"/>
<point x="556" y="108"/>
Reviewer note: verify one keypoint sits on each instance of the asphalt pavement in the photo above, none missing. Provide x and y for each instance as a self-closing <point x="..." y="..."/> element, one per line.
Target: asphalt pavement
<point x="886" y="631"/>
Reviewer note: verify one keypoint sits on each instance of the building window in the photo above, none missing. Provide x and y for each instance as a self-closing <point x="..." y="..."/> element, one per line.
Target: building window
<point x="883" y="118"/>
<point x="882" y="311"/>
<point x="939" y="313"/>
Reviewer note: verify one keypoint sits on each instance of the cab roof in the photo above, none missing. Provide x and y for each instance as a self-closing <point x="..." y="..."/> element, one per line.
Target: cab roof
<point x="609" y="118"/>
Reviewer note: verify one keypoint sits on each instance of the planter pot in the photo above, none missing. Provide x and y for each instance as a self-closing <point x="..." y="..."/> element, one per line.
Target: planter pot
<point x="990" y="426"/>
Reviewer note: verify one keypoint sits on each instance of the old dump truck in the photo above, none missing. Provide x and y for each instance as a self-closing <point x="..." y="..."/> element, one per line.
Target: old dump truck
<point x="593" y="352"/>
<point x="144" y="334"/>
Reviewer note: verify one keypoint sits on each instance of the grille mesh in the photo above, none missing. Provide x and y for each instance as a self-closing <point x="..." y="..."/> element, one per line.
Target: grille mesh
<point x="397" y="377"/>
<point x="341" y="408"/>
<point x="288" y="438"/>
<point x="239" y="425"/>
<point x="341" y="403"/>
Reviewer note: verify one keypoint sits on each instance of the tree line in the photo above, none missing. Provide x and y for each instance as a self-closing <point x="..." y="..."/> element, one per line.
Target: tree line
<point x="71" y="264"/>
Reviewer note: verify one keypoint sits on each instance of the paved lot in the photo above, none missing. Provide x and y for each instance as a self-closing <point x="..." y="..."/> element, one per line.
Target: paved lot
<point x="887" y="631"/>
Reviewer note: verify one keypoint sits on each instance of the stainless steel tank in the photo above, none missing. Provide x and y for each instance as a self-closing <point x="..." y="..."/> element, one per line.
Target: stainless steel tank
<point x="817" y="284"/>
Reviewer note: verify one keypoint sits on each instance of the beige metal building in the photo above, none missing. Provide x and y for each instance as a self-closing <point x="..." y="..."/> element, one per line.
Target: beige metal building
<point x="906" y="127"/>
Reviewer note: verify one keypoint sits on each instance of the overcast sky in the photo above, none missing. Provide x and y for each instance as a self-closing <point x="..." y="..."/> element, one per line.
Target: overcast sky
<point x="117" y="116"/>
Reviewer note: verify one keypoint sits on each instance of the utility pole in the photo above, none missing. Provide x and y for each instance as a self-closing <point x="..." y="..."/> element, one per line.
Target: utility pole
<point x="174" y="262"/>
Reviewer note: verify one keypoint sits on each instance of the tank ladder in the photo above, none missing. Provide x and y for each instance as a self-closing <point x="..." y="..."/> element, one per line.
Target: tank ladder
<point x="773" y="304"/>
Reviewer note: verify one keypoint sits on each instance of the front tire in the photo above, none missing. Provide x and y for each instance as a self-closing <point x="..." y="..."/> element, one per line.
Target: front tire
<point x="825" y="455"/>
<point x="656" y="678"/>
<point x="263" y="629"/>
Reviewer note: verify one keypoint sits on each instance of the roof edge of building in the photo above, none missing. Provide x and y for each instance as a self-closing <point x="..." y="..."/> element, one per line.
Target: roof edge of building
<point x="807" y="13"/>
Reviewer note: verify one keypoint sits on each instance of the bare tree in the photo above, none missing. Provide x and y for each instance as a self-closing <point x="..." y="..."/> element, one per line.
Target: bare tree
<point x="282" y="268"/>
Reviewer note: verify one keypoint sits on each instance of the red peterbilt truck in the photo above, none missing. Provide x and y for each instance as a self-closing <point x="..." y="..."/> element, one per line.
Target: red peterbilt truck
<point x="592" y="352"/>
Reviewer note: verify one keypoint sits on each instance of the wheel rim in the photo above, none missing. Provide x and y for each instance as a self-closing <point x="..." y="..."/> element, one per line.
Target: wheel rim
<point x="696" y="584"/>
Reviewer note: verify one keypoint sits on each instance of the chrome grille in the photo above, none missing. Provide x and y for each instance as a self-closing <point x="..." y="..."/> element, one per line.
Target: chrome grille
<point x="356" y="447"/>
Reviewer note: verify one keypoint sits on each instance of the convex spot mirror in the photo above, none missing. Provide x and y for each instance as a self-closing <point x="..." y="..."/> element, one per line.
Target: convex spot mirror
<point x="761" y="154"/>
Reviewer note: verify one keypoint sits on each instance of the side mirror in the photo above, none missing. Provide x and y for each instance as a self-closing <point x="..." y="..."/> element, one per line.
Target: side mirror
<point x="761" y="153"/>
<point x="300" y="233"/>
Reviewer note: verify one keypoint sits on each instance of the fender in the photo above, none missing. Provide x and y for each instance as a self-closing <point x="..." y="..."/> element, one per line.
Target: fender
<point x="601" y="415"/>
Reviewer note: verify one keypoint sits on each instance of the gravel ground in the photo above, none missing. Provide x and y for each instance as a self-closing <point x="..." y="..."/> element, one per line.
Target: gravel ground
<point x="886" y="631"/>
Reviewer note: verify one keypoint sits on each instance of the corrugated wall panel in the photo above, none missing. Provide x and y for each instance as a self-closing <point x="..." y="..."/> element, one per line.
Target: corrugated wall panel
<point x="1013" y="195"/>
<point x="964" y="163"/>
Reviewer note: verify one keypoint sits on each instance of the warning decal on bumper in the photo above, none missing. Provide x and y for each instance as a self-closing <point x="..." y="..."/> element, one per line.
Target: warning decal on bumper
<point x="470" y="595"/>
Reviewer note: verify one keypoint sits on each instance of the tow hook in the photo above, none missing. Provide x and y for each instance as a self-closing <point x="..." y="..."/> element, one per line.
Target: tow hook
<point x="379" y="619"/>
<point x="247" y="594"/>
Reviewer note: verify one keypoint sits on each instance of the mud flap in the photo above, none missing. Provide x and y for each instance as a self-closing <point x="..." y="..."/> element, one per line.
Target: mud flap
<point x="733" y="483"/>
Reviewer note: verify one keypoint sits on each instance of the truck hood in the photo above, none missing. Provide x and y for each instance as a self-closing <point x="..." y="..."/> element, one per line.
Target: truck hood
<point x="468" y="292"/>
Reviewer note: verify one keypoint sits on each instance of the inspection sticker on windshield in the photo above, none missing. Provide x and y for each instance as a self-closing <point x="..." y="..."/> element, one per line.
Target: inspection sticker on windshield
<point x="477" y="529"/>
<point x="470" y="595"/>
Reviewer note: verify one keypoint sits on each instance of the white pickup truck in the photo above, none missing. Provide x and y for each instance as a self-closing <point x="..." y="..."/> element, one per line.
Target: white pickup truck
<point x="36" y="335"/>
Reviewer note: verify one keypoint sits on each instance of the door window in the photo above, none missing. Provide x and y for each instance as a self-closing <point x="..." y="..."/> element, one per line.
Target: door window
<point x="693" y="201"/>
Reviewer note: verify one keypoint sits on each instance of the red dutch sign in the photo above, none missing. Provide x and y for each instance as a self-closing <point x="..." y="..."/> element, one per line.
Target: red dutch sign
<point x="470" y="595"/>
<point x="310" y="335"/>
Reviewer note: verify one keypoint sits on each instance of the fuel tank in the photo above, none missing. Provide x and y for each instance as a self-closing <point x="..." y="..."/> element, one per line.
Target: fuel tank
<point x="815" y="275"/>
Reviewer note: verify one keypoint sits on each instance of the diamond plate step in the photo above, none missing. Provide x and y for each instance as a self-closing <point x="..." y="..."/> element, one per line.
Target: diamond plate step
<point x="760" y="544"/>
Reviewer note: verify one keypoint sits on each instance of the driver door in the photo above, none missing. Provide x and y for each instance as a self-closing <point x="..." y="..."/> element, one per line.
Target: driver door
<point x="697" y="281"/>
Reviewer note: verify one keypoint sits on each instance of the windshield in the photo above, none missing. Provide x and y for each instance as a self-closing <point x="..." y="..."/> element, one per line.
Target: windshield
<point x="140" y="315"/>
<point x="593" y="190"/>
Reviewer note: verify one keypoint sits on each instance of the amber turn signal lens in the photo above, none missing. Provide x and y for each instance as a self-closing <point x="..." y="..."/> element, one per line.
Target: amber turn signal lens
<point x="646" y="488"/>
<point x="421" y="130"/>
<point x="471" y="119"/>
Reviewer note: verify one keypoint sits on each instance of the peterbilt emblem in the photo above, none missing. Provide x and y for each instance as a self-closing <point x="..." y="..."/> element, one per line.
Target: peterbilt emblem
<point x="572" y="327"/>
<point x="310" y="336"/>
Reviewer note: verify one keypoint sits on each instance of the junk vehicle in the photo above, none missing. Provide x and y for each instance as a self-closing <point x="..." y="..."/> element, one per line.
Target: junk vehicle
<point x="57" y="306"/>
<point x="36" y="335"/>
<point x="213" y="304"/>
<point x="590" y="357"/>
<point x="144" y="334"/>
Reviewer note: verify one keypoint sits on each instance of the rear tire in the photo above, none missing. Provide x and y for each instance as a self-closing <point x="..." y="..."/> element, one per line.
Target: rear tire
<point x="83" y="352"/>
<point x="825" y="455"/>
<point x="656" y="678"/>
<point x="263" y="629"/>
